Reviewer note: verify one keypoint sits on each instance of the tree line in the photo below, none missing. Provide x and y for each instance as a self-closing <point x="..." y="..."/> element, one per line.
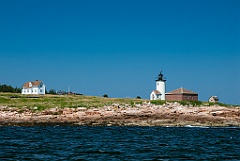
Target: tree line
<point x="9" y="88"/>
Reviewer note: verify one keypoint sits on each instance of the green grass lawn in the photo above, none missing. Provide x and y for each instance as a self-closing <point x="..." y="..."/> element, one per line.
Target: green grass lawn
<point x="73" y="101"/>
<point x="61" y="101"/>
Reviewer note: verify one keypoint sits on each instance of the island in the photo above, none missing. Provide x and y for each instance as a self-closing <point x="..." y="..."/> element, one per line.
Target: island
<point x="19" y="110"/>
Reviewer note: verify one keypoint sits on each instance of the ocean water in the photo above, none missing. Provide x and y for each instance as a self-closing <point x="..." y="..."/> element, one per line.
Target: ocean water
<point x="118" y="143"/>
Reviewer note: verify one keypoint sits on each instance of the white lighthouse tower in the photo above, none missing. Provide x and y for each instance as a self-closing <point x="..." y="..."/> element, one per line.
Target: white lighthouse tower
<point x="159" y="93"/>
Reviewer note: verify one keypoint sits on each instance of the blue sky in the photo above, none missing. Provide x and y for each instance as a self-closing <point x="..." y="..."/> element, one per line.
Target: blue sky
<point x="119" y="47"/>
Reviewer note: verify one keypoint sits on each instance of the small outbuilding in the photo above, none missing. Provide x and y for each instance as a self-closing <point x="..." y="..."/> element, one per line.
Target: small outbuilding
<point x="213" y="99"/>
<point x="155" y="95"/>
<point x="181" y="94"/>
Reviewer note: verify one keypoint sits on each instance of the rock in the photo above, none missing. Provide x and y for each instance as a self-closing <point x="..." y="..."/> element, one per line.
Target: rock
<point x="172" y="114"/>
<point x="81" y="109"/>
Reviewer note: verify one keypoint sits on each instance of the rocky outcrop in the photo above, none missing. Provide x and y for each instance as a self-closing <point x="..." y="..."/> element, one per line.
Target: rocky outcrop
<point x="146" y="114"/>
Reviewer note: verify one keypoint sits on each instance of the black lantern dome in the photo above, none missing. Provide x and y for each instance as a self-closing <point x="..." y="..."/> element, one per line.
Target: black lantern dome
<point x="160" y="77"/>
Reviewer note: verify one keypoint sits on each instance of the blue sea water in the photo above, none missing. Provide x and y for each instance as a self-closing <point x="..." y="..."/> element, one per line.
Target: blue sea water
<point x="118" y="143"/>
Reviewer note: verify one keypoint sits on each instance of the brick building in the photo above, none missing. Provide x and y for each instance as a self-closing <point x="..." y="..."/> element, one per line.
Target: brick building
<point x="181" y="94"/>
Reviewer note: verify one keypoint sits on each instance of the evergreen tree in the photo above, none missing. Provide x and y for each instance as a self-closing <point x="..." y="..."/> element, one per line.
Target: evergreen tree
<point x="52" y="91"/>
<point x="9" y="88"/>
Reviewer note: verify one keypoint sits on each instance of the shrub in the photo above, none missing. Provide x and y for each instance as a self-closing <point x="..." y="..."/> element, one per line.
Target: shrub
<point x="105" y="95"/>
<point x="157" y="102"/>
<point x="193" y="103"/>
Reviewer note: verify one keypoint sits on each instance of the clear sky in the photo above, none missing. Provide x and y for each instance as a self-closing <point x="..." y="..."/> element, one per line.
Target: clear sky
<point x="118" y="47"/>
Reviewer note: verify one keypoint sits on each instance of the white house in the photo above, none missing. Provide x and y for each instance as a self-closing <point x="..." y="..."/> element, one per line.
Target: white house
<point x="213" y="99"/>
<point x="159" y="93"/>
<point x="36" y="87"/>
<point x="155" y="95"/>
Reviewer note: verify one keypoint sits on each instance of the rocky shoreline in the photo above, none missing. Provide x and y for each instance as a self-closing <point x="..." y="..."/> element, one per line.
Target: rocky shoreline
<point x="146" y="114"/>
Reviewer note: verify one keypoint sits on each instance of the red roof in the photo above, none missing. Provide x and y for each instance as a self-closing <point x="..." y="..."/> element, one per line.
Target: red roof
<point x="34" y="84"/>
<point x="181" y="91"/>
<point x="156" y="92"/>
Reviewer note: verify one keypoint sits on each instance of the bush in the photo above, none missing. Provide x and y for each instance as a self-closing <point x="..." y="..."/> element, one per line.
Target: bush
<point x="138" y="97"/>
<point x="193" y="103"/>
<point x="105" y="95"/>
<point x="157" y="102"/>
